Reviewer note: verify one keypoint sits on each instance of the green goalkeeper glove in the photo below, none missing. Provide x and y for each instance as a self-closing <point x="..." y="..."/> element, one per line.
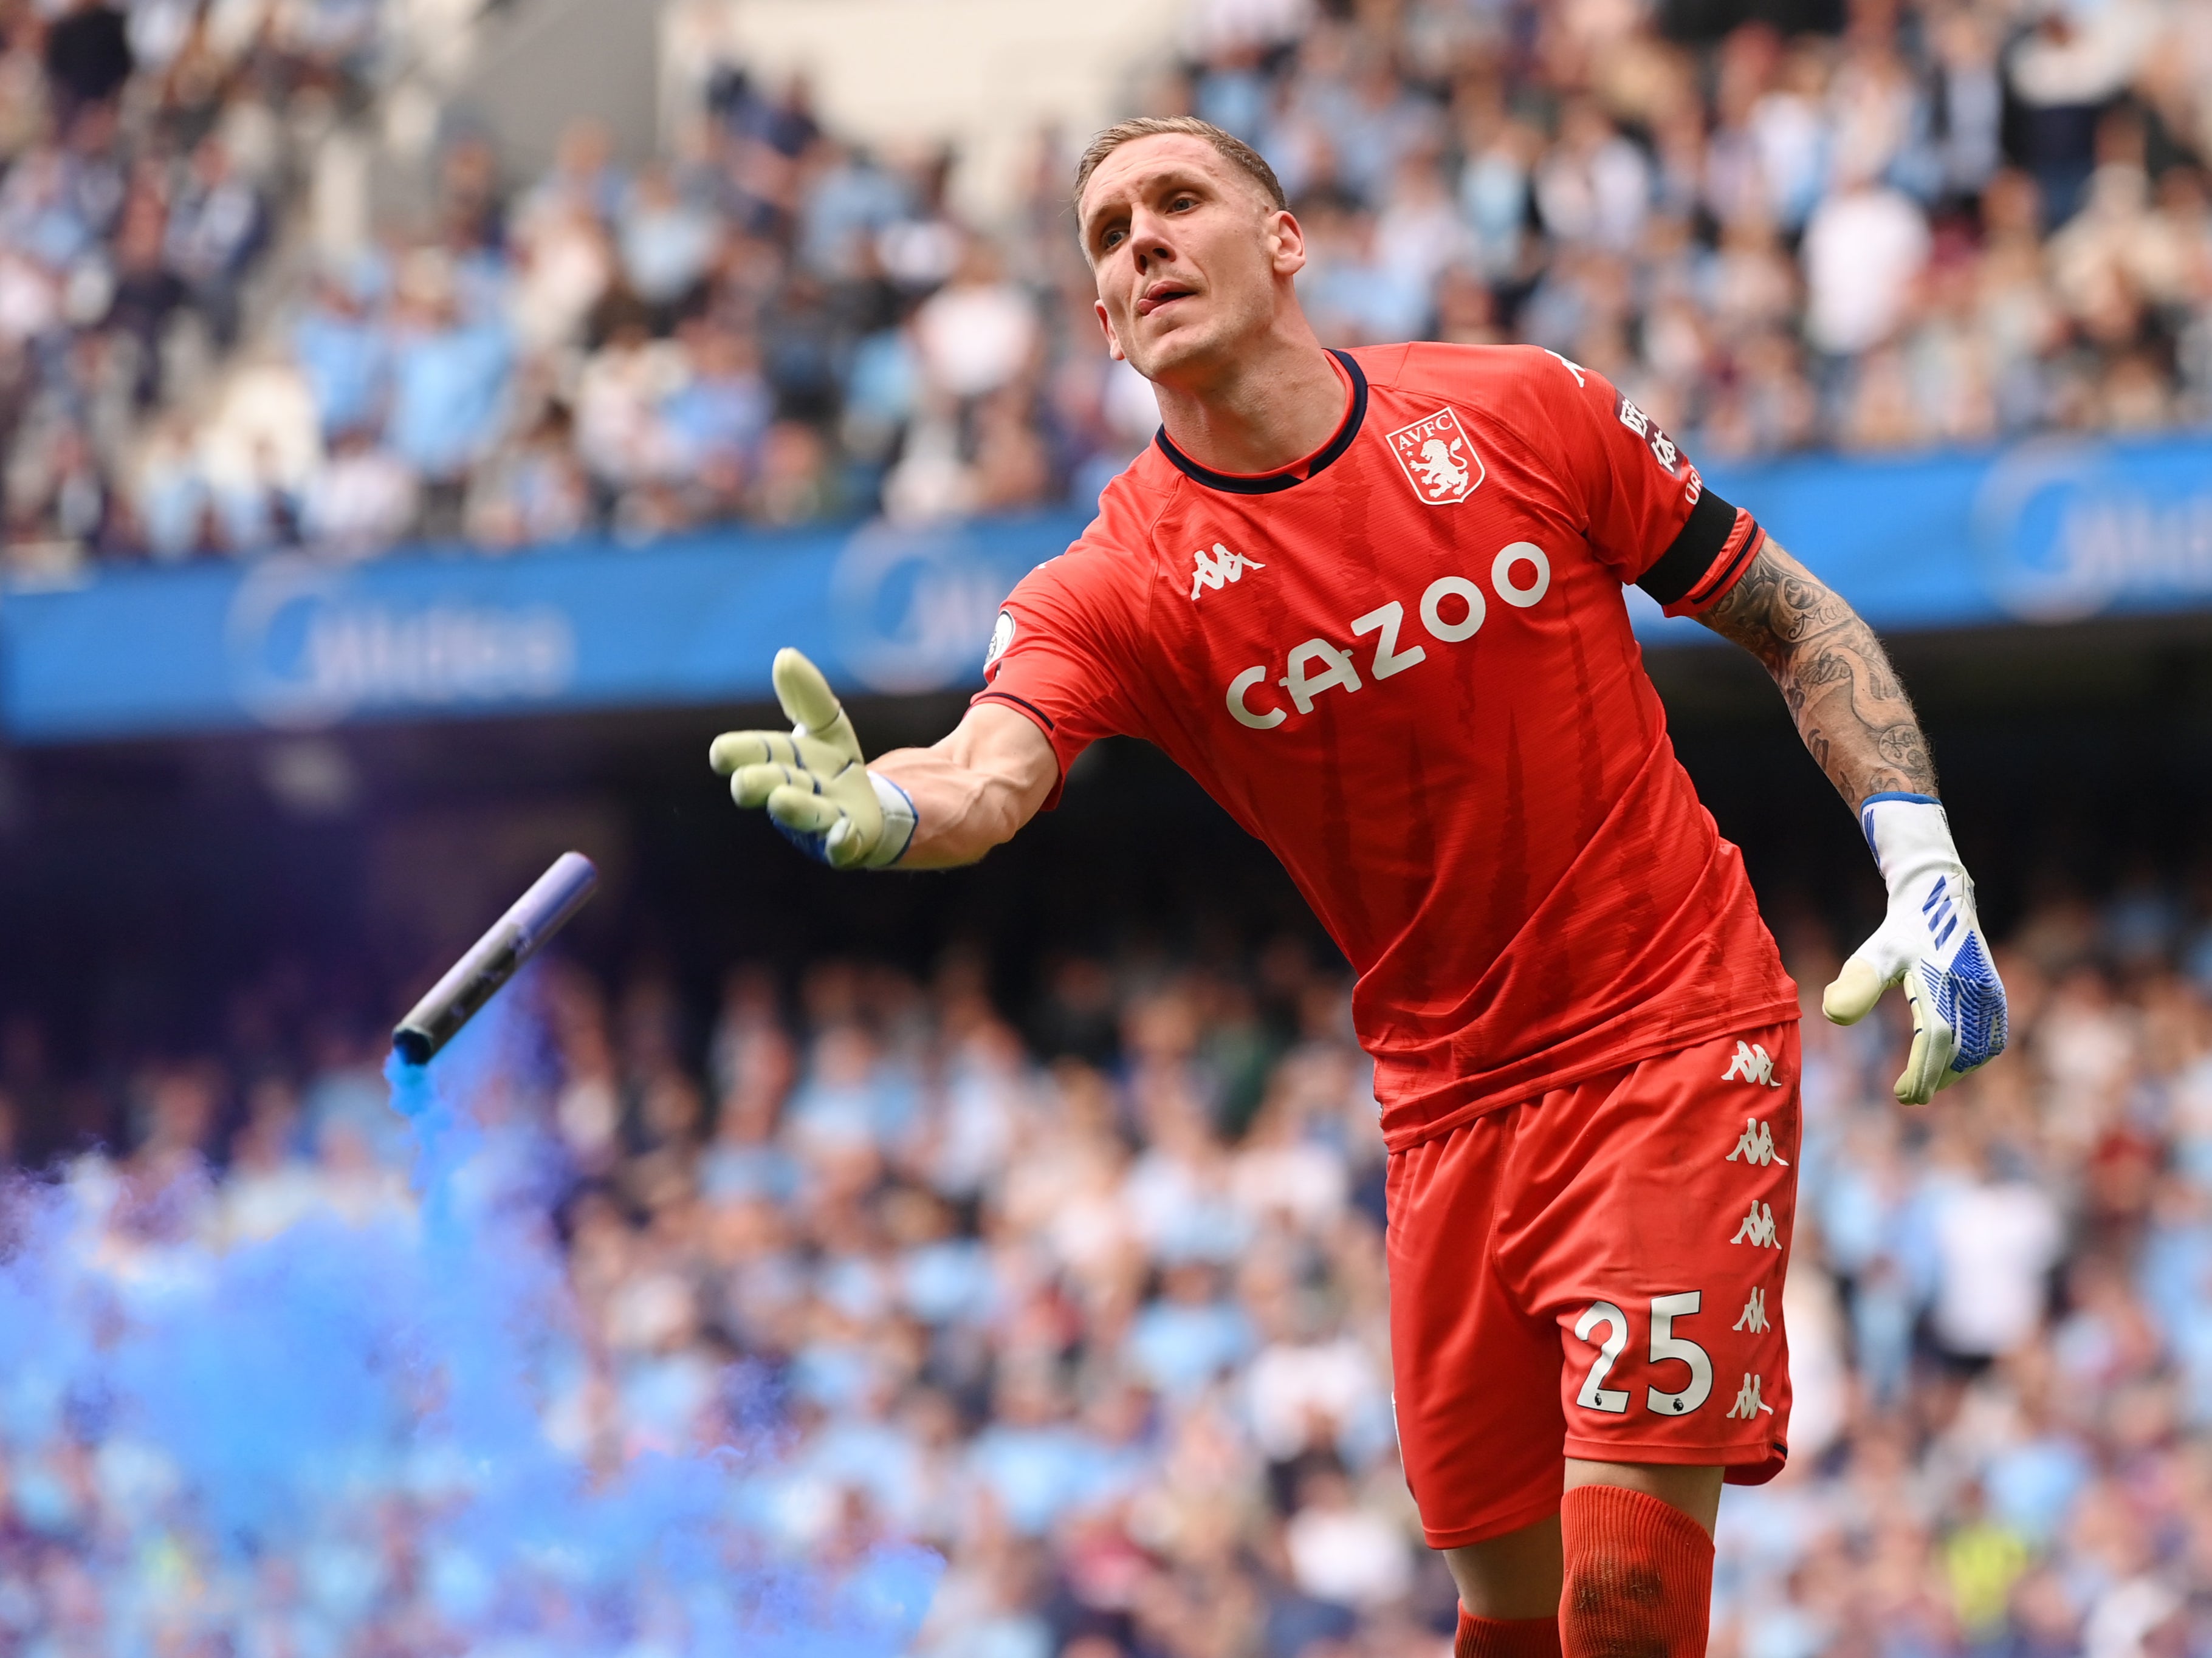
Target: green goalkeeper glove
<point x="814" y="782"/>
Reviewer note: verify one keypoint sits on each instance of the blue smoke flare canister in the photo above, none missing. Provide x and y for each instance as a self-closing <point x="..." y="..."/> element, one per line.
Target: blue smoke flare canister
<point x="495" y="959"/>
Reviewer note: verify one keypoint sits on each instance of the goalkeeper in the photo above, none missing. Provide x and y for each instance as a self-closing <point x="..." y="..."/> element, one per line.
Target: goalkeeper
<point x="1372" y="600"/>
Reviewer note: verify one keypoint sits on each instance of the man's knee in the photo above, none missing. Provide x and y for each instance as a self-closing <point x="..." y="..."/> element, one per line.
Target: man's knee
<point x="1639" y="1576"/>
<point x="1615" y="1605"/>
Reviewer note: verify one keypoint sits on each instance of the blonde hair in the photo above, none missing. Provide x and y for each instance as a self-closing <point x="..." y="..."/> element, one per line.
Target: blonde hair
<point x="1230" y="148"/>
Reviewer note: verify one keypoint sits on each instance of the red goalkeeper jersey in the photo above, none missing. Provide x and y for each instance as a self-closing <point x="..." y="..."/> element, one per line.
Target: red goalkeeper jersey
<point x="1406" y="664"/>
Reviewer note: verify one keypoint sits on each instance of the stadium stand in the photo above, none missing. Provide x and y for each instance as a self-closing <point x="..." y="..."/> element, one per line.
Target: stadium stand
<point x="1937" y="223"/>
<point x="1090" y="1299"/>
<point x="1078" y="1276"/>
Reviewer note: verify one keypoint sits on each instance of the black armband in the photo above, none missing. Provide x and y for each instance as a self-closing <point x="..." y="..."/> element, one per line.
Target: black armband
<point x="1690" y="555"/>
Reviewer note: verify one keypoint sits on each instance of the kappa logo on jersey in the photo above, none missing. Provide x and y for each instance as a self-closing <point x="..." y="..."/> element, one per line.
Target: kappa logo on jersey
<point x="1582" y="376"/>
<point x="1752" y="1064"/>
<point x="1218" y="568"/>
<point x="1438" y="460"/>
<point x="1755" y="1145"/>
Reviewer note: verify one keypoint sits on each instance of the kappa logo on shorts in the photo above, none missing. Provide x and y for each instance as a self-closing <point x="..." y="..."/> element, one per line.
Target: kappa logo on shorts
<point x="1437" y="459"/>
<point x="1756" y="1144"/>
<point x="1748" y="1402"/>
<point x="1756" y="1228"/>
<point x="1753" y="1318"/>
<point x="1752" y="1064"/>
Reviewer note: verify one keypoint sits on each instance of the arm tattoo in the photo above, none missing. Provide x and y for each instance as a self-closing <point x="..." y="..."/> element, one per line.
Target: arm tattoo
<point x="1846" y="699"/>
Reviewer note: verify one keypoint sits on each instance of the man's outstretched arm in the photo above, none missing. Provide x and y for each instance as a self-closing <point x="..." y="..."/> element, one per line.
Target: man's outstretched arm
<point x="974" y="787"/>
<point x="1858" y="724"/>
<point x="932" y="808"/>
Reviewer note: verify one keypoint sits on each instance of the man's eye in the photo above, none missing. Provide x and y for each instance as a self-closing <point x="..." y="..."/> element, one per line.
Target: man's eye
<point x="1183" y="202"/>
<point x="1109" y="239"/>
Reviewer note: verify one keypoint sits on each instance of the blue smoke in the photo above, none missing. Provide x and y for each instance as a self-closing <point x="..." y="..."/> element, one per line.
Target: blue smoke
<point x="362" y="1411"/>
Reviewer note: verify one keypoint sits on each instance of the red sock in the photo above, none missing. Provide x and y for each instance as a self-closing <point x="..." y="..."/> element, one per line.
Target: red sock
<point x="1505" y="1637"/>
<point x="1639" y="1576"/>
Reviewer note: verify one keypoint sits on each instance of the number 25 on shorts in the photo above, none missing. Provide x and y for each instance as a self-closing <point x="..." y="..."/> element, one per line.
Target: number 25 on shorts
<point x="1665" y="1345"/>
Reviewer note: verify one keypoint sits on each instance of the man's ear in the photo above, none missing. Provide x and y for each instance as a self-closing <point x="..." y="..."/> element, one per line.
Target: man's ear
<point x="1286" y="243"/>
<point x="1106" y="327"/>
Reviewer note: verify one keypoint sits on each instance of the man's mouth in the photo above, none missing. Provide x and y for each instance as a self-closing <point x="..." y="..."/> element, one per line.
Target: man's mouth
<point x="1161" y="294"/>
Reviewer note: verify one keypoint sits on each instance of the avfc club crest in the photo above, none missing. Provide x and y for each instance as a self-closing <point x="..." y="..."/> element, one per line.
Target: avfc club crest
<point x="1437" y="459"/>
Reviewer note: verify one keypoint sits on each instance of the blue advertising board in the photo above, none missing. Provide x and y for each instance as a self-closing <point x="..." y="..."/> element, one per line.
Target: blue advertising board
<point x="294" y="643"/>
<point x="2040" y="533"/>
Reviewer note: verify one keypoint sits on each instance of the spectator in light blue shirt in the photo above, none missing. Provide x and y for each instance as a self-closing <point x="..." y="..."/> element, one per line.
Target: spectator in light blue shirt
<point x="171" y="492"/>
<point x="1037" y="1464"/>
<point x="449" y="379"/>
<point x="667" y="243"/>
<point x="884" y="387"/>
<point x="2032" y="1486"/>
<point x="851" y="202"/>
<point x="1234" y="93"/>
<point x="720" y="413"/>
<point x="1190" y="1335"/>
<point x="850" y="1096"/>
<point x="584" y="175"/>
<point x="36" y="214"/>
<point x="1362" y="296"/>
<point x="345" y="356"/>
<point x="1381" y="120"/>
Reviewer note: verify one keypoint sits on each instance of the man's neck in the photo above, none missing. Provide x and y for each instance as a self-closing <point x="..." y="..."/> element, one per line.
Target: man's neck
<point x="1269" y="409"/>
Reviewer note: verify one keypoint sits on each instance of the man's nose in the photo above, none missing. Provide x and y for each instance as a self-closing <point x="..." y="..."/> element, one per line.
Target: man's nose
<point x="1148" y="239"/>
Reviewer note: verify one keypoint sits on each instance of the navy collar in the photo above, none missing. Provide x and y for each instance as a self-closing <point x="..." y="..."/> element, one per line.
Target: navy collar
<point x="1266" y="483"/>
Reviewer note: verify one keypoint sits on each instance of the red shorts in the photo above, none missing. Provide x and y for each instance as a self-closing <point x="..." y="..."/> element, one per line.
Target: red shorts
<point x="1596" y="1273"/>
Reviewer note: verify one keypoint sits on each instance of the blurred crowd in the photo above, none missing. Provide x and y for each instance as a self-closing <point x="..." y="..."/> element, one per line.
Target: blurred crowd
<point x="1092" y="1300"/>
<point x="1906" y="223"/>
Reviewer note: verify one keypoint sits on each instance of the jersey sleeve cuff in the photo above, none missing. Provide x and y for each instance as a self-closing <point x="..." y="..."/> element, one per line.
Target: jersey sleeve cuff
<point x="1742" y="546"/>
<point x="1044" y="722"/>
<point x="1714" y="547"/>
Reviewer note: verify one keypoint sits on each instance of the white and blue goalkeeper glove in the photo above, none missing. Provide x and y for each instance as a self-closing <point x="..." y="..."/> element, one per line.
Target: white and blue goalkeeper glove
<point x="1932" y="943"/>
<point x="814" y="782"/>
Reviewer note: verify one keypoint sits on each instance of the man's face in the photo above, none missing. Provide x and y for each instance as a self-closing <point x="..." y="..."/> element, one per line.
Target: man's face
<point x="1187" y="252"/>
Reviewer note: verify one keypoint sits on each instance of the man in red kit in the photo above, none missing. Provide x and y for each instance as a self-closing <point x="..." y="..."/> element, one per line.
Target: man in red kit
<point x="1373" y="601"/>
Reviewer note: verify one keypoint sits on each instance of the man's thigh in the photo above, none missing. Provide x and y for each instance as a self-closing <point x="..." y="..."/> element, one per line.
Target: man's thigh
<point x="1650" y="1226"/>
<point x="1475" y="1379"/>
<point x="1595" y="1274"/>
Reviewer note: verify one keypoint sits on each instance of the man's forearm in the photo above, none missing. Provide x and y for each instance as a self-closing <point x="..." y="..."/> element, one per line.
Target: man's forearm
<point x="960" y="813"/>
<point x="1848" y="704"/>
<point x="974" y="788"/>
